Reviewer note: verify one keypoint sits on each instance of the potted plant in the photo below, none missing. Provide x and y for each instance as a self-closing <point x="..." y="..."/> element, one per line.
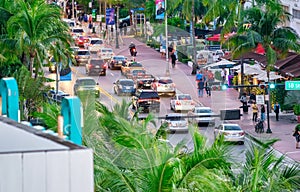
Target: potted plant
<point x="296" y="110"/>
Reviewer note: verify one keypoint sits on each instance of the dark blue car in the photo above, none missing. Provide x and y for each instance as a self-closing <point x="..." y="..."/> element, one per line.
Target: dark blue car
<point x="124" y="87"/>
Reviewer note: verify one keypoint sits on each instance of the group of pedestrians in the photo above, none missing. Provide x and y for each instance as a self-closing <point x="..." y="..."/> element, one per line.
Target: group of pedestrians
<point x="203" y="80"/>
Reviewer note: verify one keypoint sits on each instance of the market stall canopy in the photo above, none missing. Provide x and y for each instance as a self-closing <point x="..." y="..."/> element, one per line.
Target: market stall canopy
<point x="224" y="63"/>
<point x="250" y="69"/>
<point x="263" y="76"/>
<point x="250" y="55"/>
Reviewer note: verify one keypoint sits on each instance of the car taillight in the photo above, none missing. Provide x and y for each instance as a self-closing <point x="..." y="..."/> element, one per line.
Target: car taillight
<point x="80" y="41"/>
<point x="105" y="66"/>
<point x="89" y="65"/>
<point x="178" y="103"/>
<point x="242" y="133"/>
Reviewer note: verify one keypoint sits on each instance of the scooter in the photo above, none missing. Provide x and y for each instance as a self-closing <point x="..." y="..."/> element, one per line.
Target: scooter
<point x="133" y="52"/>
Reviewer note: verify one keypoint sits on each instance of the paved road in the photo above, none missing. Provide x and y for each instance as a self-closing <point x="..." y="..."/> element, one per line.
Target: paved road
<point x="228" y="99"/>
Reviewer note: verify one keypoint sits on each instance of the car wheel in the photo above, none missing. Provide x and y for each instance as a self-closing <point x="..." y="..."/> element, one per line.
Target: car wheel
<point x="241" y="142"/>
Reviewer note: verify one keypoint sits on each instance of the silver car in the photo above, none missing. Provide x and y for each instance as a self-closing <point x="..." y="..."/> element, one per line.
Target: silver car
<point x="176" y="122"/>
<point x="164" y="86"/>
<point x="231" y="132"/>
<point x="202" y="115"/>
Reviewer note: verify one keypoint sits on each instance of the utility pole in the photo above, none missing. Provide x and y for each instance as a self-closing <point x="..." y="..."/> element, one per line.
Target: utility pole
<point x="194" y="71"/>
<point x="117" y="26"/>
<point x="167" y="43"/>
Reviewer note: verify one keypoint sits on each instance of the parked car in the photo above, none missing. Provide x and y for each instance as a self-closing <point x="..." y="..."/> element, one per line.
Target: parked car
<point x="81" y="40"/>
<point x="94" y="45"/>
<point x="105" y="53"/>
<point x="52" y="96"/>
<point x="117" y="62"/>
<point x="164" y="86"/>
<point x="182" y="102"/>
<point x="129" y="66"/>
<point x="176" y="122"/>
<point x="207" y="114"/>
<point x="86" y="85"/>
<point x="82" y="56"/>
<point x="124" y="87"/>
<point x="146" y="101"/>
<point x="231" y="132"/>
<point x="96" y="66"/>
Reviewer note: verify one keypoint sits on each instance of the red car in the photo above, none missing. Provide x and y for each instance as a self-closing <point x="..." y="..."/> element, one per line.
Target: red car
<point x="81" y="40"/>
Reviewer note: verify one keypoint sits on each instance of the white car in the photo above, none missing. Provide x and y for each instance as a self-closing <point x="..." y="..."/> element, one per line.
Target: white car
<point x="164" y="86"/>
<point x="182" y="102"/>
<point x="105" y="53"/>
<point x="176" y="122"/>
<point x="94" y="45"/>
<point x="206" y="112"/>
<point x="77" y="31"/>
<point x="231" y="132"/>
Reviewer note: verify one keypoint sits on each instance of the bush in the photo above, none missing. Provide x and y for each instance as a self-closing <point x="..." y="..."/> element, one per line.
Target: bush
<point x="296" y="109"/>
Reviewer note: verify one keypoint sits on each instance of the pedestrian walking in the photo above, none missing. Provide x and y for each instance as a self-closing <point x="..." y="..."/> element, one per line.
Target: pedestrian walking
<point x="252" y="98"/>
<point x="207" y="89"/>
<point x="90" y="26"/>
<point x="254" y="111"/>
<point x="200" y="88"/>
<point x="297" y="135"/>
<point x="199" y="76"/>
<point x="223" y="75"/>
<point x="262" y="112"/>
<point x="173" y="59"/>
<point x="276" y="110"/>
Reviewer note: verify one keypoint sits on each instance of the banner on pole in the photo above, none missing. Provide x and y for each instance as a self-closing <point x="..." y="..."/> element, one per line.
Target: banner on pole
<point x="110" y="16"/>
<point x="160" y="9"/>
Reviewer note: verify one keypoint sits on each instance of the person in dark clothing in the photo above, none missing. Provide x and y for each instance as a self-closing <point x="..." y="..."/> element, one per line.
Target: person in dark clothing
<point x="276" y="110"/>
<point x="200" y="88"/>
<point x="173" y="59"/>
<point x="207" y="88"/>
<point x="252" y="98"/>
<point x="297" y="135"/>
<point x="262" y="112"/>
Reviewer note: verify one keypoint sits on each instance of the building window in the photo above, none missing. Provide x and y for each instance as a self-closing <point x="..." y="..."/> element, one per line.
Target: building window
<point x="296" y="13"/>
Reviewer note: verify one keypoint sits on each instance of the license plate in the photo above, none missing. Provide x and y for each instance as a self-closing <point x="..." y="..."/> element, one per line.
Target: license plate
<point x="120" y="62"/>
<point x="97" y="66"/>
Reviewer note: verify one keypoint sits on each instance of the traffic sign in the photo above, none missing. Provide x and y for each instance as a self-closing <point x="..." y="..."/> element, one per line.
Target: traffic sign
<point x="292" y="85"/>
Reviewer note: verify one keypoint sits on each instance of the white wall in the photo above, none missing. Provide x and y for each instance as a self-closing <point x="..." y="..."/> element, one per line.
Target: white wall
<point x="47" y="171"/>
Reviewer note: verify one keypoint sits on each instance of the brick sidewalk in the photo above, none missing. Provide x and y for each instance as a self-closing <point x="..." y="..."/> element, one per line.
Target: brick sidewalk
<point x="282" y="129"/>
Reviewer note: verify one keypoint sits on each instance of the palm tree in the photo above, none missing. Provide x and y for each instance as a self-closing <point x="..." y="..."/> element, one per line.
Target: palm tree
<point x="129" y="157"/>
<point x="34" y="28"/>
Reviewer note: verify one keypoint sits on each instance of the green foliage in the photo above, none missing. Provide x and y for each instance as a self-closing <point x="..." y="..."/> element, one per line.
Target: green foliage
<point x="30" y="91"/>
<point x="177" y="22"/>
<point x="49" y="114"/>
<point x="296" y="109"/>
<point x="292" y="98"/>
<point x="278" y="94"/>
<point x="218" y="75"/>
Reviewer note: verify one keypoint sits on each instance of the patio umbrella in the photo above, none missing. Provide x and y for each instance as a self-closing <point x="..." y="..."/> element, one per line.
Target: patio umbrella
<point x="263" y="76"/>
<point x="250" y="69"/>
<point x="224" y="63"/>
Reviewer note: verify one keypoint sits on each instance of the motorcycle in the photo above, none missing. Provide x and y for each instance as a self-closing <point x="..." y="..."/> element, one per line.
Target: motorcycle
<point x="133" y="51"/>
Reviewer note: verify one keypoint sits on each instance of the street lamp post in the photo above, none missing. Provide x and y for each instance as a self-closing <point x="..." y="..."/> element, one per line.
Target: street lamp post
<point x="167" y="43"/>
<point x="267" y="90"/>
<point x="117" y="25"/>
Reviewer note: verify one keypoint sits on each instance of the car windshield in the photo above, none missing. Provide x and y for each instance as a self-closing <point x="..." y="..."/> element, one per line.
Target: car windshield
<point x="119" y="58"/>
<point x="83" y="53"/>
<point x="231" y="128"/>
<point x="138" y="72"/>
<point x="77" y="30"/>
<point x="184" y="97"/>
<point x="174" y="118"/>
<point x="165" y="81"/>
<point x="87" y="82"/>
<point x="98" y="41"/>
<point x="136" y="65"/>
<point x="127" y="83"/>
<point x="203" y="111"/>
<point x="106" y="50"/>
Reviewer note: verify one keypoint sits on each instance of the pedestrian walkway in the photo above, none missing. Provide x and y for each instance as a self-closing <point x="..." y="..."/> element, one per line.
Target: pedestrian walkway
<point x="281" y="130"/>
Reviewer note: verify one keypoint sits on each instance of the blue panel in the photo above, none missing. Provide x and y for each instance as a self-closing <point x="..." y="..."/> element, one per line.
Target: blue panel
<point x="10" y="98"/>
<point x="71" y="112"/>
